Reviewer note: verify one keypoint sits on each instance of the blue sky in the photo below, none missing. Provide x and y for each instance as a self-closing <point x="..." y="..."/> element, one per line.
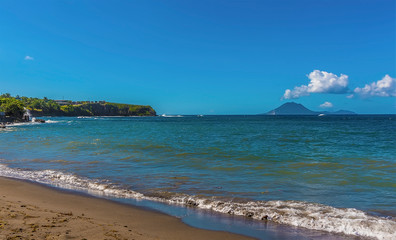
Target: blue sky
<point x="203" y="57"/>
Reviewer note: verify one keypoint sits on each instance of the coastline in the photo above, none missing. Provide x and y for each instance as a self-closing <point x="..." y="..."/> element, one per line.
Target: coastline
<point x="38" y="163"/>
<point x="32" y="210"/>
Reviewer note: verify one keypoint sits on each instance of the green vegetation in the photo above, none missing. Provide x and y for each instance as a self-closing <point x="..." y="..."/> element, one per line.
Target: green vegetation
<point x="106" y="109"/>
<point x="12" y="107"/>
<point x="15" y="107"/>
<point x="45" y="106"/>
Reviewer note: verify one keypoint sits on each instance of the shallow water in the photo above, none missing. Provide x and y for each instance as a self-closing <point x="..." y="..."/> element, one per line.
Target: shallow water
<point x="332" y="173"/>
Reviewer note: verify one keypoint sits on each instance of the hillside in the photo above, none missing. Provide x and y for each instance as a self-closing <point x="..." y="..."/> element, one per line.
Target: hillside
<point x="96" y="109"/>
<point x="15" y="107"/>
<point x="292" y="108"/>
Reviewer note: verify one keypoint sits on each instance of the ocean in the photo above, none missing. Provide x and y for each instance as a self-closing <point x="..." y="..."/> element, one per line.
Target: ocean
<point x="270" y="177"/>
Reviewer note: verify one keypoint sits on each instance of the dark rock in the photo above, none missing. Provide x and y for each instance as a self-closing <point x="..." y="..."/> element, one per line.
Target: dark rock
<point x="192" y="203"/>
<point x="249" y="214"/>
<point x="39" y="120"/>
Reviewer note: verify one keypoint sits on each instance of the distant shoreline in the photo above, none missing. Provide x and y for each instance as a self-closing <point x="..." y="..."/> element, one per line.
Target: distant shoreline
<point x="23" y="109"/>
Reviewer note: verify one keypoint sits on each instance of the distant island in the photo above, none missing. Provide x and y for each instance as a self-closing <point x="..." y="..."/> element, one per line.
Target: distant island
<point x="17" y="108"/>
<point x="292" y="108"/>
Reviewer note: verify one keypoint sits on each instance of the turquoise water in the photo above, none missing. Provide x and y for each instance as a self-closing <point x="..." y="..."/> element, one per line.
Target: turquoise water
<point x="281" y="169"/>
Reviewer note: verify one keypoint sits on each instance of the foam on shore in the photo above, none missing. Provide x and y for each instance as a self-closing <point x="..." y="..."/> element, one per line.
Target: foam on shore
<point x="30" y="123"/>
<point x="296" y="213"/>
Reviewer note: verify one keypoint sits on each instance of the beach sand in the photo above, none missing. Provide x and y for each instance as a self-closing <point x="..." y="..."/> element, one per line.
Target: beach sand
<point x="33" y="211"/>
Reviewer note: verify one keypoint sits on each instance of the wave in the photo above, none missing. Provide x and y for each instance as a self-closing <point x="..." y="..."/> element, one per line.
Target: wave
<point x="51" y="121"/>
<point x="69" y="181"/>
<point x="170" y="116"/>
<point x="23" y="124"/>
<point x="30" y="123"/>
<point x="314" y="216"/>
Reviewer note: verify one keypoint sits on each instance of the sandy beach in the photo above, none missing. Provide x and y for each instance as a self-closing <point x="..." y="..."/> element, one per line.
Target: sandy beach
<point x="33" y="211"/>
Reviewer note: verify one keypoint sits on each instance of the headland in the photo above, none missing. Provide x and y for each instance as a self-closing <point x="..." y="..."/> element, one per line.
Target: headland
<point x="22" y="109"/>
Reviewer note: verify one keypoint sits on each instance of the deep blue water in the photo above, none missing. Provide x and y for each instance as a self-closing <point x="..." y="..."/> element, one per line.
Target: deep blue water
<point x="337" y="161"/>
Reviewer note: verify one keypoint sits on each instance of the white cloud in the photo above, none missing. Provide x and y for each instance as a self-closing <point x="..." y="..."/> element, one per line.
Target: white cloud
<point x="386" y="87"/>
<point x="296" y="92"/>
<point x="29" y="58"/>
<point x="320" y="82"/>
<point x="324" y="82"/>
<point x="326" y="105"/>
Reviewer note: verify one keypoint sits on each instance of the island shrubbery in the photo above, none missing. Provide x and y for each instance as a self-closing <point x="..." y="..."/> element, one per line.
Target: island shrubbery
<point x="45" y="105"/>
<point x="15" y="107"/>
<point x="12" y="107"/>
<point x="106" y="109"/>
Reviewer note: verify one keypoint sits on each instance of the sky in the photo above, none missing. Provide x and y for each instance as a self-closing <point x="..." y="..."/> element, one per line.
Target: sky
<point x="203" y="57"/>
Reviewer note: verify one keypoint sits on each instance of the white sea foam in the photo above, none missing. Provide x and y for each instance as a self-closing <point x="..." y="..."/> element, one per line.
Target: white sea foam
<point x="170" y="116"/>
<point x="303" y="214"/>
<point x="31" y="123"/>
<point x="22" y="124"/>
<point x="300" y="214"/>
<point x="69" y="181"/>
<point x="51" y="121"/>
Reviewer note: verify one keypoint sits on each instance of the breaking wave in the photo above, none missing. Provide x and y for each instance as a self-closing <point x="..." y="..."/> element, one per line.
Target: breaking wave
<point x="23" y="124"/>
<point x="31" y="123"/>
<point x="170" y="116"/>
<point x="69" y="181"/>
<point x="51" y="121"/>
<point x="296" y="213"/>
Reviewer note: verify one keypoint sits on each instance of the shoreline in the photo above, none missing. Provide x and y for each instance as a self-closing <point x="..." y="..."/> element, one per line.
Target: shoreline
<point x="256" y="218"/>
<point x="32" y="210"/>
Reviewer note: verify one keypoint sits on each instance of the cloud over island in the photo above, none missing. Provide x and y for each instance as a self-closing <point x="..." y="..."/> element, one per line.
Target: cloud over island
<point x="326" y="105"/>
<point x="386" y="87"/>
<point x="29" y="58"/>
<point x="320" y="82"/>
<point x="325" y="82"/>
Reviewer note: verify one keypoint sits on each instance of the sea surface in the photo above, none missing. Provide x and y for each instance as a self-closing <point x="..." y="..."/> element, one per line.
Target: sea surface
<point x="329" y="177"/>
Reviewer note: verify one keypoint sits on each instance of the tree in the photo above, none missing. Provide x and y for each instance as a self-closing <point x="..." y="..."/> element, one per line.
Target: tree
<point x="5" y="95"/>
<point x="12" y="107"/>
<point x="35" y="104"/>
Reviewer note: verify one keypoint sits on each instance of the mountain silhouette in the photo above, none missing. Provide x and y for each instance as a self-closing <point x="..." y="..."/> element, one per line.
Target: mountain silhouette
<point x="292" y="108"/>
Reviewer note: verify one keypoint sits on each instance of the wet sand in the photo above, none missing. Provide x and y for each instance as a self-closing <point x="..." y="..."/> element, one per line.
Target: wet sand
<point x="33" y="211"/>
